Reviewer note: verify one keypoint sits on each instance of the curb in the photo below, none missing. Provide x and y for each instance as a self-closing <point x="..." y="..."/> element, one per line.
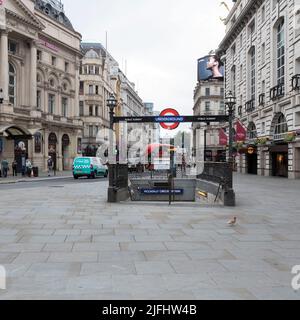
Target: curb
<point x="34" y="180"/>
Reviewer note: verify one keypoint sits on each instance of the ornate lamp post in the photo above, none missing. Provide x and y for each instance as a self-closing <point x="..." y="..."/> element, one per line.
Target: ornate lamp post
<point x="230" y="102"/>
<point x="111" y="104"/>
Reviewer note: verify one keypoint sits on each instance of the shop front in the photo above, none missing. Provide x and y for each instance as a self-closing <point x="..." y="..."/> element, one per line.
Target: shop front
<point x="251" y="160"/>
<point x="279" y="159"/>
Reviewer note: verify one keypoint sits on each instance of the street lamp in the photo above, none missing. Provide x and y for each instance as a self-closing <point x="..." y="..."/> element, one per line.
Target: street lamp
<point x="230" y="102"/>
<point x="111" y="104"/>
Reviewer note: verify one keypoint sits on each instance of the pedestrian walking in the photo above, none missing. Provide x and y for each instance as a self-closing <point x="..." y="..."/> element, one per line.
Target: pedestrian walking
<point x="5" y="167"/>
<point x="15" y="168"/>
<point x="50" y="165"/>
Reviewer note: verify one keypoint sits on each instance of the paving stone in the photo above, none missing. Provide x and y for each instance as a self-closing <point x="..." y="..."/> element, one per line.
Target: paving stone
<point x="97" y="246"/>
<point x="107" y="268"/>
<point x="142" y="246"/>
<point x="31" y="257"/>
<point x="153" y="267"/>
<point x="121" y="256"/>
<point x="54" y="270"/>
<point x="73" y="257"/>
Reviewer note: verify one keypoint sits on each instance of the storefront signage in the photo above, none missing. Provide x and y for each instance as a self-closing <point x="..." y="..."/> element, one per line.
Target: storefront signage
<point x="173" y="121"/>
<point x="251" y="150"/>
<point x="48" y="45"/>
<point x="161" y="191"/>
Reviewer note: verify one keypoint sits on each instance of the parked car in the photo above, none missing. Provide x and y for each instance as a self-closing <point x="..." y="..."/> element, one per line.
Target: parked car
<point x="89" y="167"/>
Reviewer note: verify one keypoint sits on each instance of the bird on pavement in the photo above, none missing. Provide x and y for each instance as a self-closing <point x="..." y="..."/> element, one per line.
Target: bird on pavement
<point x="232" y="222"/>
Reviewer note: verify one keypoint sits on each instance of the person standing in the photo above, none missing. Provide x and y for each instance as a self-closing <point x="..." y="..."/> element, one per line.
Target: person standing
<point x="50" y="165"/>
<point x="28" y="167"/>
<point x="5" y="167"/>
<point x="14" y="168"/>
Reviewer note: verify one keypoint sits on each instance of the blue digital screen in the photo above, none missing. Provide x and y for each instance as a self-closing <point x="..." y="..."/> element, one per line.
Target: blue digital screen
<point x="210" y="67"/>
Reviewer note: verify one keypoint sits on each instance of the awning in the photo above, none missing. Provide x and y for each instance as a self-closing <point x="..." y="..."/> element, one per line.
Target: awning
<point x="15" y="132"/>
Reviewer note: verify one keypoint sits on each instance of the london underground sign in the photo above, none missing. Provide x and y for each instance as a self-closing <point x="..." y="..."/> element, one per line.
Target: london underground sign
<point x="172" y="115"/>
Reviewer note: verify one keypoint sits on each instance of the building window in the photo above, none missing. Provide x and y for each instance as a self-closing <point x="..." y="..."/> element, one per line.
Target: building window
<point x="91" y="89"/>
<point x="12" y="84"/>
<point x="38" y="138"/>
<point x="207" y="106"/>
<point x="263" y="53"/>
<point x="263" y="14"/>
<point x="39" y="55"/>
<point x="241" y="73"/>
<point x="233" y="79"/>
<point x="241" y="40"/>
<point x="53" y="61"/>
<point x="90" y="111"/>
<point x="66" y="66"/>
<point x="252" y="73"/>
<point x="91" y="131"/>
<point x="251" y="28"/>
<point x="263" y="128"/>
<point x="207" y="92"/>
<point x="252" y="133"/>
<point x="81" y="88"/>
<point x="222" y="92"/>
<point x="222" y="106"/>
<point x="51" y="103"/>
<point x="281" y="125"/>
<point x="97" y="89"/>
<point x="12" y="47"/>
<point x="233" y="50"/>
<point x="97" y="111"/>
<point x="64" y="107"/>
<point x="38" y="99"/>
<point x="81" y="108"/>
<point x="280" y="54"/>
<point x="97" y="70"/>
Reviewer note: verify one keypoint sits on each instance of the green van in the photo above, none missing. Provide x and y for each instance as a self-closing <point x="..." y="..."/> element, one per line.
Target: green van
<point x="89" y="167"/>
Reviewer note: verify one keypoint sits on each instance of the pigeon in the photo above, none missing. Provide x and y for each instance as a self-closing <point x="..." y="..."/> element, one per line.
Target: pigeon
<point x="232" y="222"/>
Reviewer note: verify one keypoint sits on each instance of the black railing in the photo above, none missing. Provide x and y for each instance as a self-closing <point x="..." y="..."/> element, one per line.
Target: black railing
<point x="250" y="106"/>
<point x="296" y="82"/>
<point x="277" y="92"/>
<point x="261" y="99"/>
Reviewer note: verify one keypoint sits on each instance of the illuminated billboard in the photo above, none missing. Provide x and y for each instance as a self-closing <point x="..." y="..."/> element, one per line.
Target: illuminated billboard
<point x="210" y="67"/>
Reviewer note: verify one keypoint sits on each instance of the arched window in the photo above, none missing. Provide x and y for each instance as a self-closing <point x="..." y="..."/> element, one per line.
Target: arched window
<point x="12" y="84"/>
<point x="251" y="132"/>
<point x="252" y="74"/>
<point x="281" y="125"/>
<point x="280" y="56"/>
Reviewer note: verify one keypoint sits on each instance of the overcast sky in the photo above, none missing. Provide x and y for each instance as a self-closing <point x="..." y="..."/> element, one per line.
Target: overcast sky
<point x="160" y="39"/>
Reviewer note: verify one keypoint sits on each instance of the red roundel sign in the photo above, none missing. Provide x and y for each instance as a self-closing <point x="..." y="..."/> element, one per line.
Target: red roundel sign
<point x="173" y="113"/>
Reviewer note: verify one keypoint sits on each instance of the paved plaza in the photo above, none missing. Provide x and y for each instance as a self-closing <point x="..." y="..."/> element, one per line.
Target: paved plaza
<point x="65" y="241"/>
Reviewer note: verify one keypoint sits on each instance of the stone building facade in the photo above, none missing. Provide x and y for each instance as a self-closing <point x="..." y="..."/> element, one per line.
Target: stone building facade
<point x="209" y="100"/>
<point x="39" y="79"/>
<point x="98" y="76"/>
<point x="261" y="49"/>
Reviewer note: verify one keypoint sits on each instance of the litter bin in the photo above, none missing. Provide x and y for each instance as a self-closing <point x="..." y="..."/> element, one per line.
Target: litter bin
<point x="35" y="171"/>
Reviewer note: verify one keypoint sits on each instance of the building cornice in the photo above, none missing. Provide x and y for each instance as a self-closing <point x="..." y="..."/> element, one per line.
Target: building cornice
<point x="241" y="21"/>
<point x="32" y="19"/>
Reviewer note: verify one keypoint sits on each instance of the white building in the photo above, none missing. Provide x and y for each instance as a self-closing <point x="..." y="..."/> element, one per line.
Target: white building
<point x="97" y="81"/>
<point x="39" y="80"/>
<point x="209" y="100"/>
<point x="262" y="52"/>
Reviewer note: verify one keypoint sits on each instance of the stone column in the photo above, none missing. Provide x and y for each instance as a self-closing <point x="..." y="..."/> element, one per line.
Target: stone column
<point x="4" y="64"/>
<point x="59" y="152"/>
<point x="33" y="69"/>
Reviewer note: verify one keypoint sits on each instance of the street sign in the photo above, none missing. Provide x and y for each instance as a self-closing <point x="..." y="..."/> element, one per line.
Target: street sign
<point x="172" y="119"/>
<point x="173" y="115"/>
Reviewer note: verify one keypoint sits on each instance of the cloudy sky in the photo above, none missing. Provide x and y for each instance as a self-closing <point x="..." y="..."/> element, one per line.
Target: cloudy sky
<point x="160" y="39"/>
